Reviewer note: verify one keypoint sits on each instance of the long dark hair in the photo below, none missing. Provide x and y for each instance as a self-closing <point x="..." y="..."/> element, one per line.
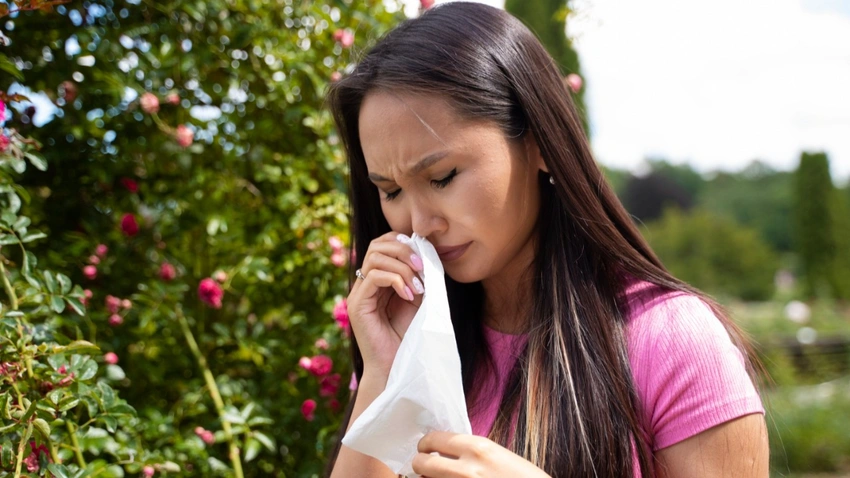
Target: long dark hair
<point x="572" y="396"/>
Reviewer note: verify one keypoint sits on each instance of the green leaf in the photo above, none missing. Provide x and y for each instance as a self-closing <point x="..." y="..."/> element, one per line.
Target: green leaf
<point x="55" y="395"/>
<point x="59" y="471"/>
<point x="64" y="283"/>
<point x="21" y="224"/>
<point x="76" y="305"/>
<point x="110" y="422"/>
<point x="37" y="161"/>
<point x="83" y="346"/>
<point x="8" y="239"/>
<point x="252" y="449"/>
<point x="68" y="403"/>
<point x="88" y="370"/>
<point x="30" y="411"/>
<point x="6" y="456"/>
<point x="33" y="237"/>
<point x="42" y="427"/>
<point x="9" y="67"/>
<point x="115" y="372"/>
<point x="57" y="304"/>
<point x="49" y="282"/>
<point x="122" y="409"/>
<point x="265" y="440"/>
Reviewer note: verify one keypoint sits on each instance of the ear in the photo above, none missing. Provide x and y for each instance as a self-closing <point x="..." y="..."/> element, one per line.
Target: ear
<point x="532" y="152"/>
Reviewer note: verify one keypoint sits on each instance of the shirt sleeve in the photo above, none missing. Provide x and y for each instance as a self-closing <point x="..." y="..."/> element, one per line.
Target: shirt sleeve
<point x="689" y="375"/>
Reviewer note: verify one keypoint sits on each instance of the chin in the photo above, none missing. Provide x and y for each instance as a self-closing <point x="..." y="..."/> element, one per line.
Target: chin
<point x="464" y="275"/>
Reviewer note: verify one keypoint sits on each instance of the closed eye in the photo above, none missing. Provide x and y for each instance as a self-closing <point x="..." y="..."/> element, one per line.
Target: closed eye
<point x="438" y="183"/>
<point x="441" y="183"/>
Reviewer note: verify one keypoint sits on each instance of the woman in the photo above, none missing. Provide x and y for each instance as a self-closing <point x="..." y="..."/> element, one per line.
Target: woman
<point x="581" y="354"/>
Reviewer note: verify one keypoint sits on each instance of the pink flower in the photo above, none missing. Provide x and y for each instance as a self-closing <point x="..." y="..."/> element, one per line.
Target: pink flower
<point x="90" y="272"/>
<point x="87" y="294"/>
<point x="148" y="471"/>
<point x="336" y="76"/>
<point x="344" y="37"/>
<point x="207" y="436"/>
<point x="220" y="276"/>
<point x="112" y="303"/>
<point x="320" y="365"/>
<point x="304" y="363"/>
<point x="167" y="272"/>
<point x="173" y="98"/>
<point x="32" y="460"/>
<point x="334" y="404"/>
<point x="101" y="250"/>
<point x="335" y="243"/>
<point x="340" y="314"/>
<point x="128" y="225"/>
<point x="110" y="358"/>
<point x="4" y="143"/>
<point x="115" y="320"/>
<point x="130" y="184"/>
<point x="426" y="4"/>
<point x="329" y="385"/>
<point x="69" y="91"/>
<point x="307" y="409"/>
<point x="210" y="293"/>
<point x="574" y="82"/>
<point x="338" y="258"/>
<point x="184" y="136"/>
<point x="127" y="304"/>
<point x="322" y="344"/>
<point x="62" y="370"/>
<point x="66" y="381"/>
<point x="150" y="103"/>
<point x="2" y="111"/>
<point x="94" y="260"/>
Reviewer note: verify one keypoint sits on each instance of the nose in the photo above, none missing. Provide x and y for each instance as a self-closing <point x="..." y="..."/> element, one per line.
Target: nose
<point x="426" y="219"/>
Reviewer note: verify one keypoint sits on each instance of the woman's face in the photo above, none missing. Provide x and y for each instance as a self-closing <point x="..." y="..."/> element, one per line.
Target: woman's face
<point x="463" y="185"/>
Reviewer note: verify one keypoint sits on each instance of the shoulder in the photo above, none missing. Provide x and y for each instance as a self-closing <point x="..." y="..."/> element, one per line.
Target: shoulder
<point x="688" y="373"/>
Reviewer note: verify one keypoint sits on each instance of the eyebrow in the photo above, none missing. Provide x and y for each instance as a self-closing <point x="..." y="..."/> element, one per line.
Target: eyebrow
<point x="422" y="165"/>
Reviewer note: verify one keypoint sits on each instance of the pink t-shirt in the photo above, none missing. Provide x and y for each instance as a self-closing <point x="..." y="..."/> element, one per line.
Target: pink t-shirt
<point x="688" y="374"/>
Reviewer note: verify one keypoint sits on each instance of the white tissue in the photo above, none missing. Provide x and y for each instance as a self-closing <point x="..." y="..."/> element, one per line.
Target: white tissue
<point x="424" y="391"/>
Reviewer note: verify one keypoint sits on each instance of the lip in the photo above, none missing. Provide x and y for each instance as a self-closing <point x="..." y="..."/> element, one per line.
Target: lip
<point x="450" y="253"/>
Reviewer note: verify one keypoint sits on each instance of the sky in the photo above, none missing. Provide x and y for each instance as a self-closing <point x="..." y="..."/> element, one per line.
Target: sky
<point x="715" y="84"/>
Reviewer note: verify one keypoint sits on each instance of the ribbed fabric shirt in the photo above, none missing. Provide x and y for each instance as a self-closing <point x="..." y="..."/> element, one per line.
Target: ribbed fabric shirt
<point x="688" y="374"/>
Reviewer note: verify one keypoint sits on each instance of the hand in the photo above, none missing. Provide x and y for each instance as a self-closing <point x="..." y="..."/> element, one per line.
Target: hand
<point x="382" y="305"/>
<point x="468" y="456"/>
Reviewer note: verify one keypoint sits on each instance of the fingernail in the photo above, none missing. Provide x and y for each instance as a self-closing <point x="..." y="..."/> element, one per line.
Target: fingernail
<point x="408" y="292"/>
<point x="417" y="262"/>
<point x="402" y="238"/>
<point x="418" y="285"/>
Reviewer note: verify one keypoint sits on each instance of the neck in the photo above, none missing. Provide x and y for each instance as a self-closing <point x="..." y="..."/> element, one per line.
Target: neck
<point x="508" y="295"/>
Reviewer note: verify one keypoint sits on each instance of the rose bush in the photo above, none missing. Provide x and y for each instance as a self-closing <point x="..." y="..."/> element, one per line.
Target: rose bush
<point x="196" y="190"/>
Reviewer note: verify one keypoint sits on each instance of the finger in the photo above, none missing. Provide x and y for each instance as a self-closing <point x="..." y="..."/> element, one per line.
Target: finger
<point x="400" y="250"/>
<point x="380" y="261"/>
<point x="436" y="466"/>
<point x="377" y="279"/>
<point x="448" y="443"/>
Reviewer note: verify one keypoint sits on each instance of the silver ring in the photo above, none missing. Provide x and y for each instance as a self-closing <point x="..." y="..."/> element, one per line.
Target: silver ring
<point x="359" y="274"/>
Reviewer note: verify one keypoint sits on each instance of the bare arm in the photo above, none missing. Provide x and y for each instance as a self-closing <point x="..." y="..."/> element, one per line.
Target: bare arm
<point x="735" y="448"/>
<point x="352" y="464"/>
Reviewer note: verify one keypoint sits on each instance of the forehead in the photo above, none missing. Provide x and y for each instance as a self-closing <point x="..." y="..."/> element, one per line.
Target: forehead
<point x="396" y="129"/>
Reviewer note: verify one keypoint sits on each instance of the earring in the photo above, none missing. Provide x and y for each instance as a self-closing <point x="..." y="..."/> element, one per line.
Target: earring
<point x="551" y="180"/>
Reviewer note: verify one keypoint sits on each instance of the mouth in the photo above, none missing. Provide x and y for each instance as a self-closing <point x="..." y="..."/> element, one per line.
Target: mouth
<point x="450" y="253"/>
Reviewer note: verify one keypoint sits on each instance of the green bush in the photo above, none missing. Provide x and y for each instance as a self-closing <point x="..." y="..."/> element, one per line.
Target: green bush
<point x="807" y="433"/>
<point x="196" y="190"/>
<point x="714" y="254"/>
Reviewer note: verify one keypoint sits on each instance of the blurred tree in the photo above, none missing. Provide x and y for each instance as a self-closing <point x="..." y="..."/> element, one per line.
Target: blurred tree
<point x="818" y="228"/>
<point x="548" y="20"/>
<point x="682" y="174"/>
<point x="617" y="178"/>
<point x="646" y="197"/>
<point x="759" y="197"/>
<point x="714" y="254"/>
